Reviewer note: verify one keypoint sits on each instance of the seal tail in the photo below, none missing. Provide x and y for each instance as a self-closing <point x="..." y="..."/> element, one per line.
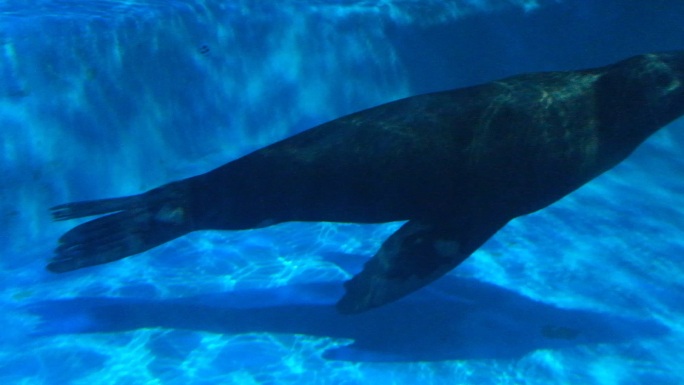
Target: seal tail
<point x="87" y="208"/>
<point x="136" y="224"/>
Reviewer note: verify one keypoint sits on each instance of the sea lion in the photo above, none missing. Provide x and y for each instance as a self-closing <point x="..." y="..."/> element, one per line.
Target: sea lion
<point x="457" y="165"/>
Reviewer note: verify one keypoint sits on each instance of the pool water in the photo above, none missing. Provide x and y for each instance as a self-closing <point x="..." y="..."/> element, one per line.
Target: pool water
<point x="109" y="98"/>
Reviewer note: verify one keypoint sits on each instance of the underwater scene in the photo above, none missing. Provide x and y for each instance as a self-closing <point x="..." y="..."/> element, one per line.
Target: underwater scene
<point x="113" y="98"/>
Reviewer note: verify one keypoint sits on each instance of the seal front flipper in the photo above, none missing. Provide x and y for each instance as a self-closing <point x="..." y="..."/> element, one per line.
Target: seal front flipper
<point x="417" y="254"/>
<point x="138" y="223"/>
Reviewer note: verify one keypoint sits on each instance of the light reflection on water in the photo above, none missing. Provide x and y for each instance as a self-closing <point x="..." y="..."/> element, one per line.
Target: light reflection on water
<point x="144" y="92"/>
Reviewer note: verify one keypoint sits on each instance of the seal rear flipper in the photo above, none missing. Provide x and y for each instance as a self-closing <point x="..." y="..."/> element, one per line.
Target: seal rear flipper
<point x="417" y="254"/>
<point x="143" y="222"/>
<point x="96" y="207"/>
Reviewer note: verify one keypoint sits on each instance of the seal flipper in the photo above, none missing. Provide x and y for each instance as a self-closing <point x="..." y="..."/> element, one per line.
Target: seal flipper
<point x="417" y="254"/>
<point x="96" y="207"/>
<point x="141" y="223"/>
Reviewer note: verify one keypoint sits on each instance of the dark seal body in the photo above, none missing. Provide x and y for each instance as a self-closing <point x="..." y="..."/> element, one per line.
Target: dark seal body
<point x="457" y="165"/>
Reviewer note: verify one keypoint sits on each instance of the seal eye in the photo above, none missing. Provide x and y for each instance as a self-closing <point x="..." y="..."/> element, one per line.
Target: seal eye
<point x="661" y="80"/>
<point x="665" y="82"/>
<point x="673" y="85"/>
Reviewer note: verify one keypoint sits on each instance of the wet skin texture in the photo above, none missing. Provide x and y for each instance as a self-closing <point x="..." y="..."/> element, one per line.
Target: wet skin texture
<point x="457" y="165"/>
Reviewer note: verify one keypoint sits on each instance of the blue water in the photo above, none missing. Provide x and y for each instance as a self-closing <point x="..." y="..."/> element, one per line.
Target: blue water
<point x="109" y="98"/>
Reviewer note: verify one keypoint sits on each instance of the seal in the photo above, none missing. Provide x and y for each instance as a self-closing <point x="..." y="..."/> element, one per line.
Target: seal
<point x="456" y="165"/>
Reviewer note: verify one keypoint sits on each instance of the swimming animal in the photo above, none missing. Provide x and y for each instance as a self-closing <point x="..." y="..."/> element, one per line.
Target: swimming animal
<point x="456" y="165"/>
